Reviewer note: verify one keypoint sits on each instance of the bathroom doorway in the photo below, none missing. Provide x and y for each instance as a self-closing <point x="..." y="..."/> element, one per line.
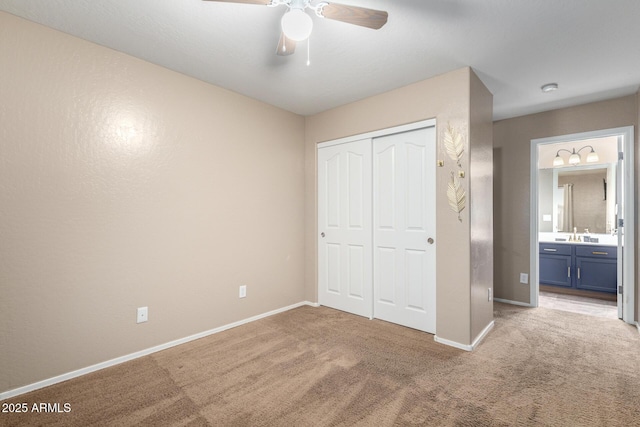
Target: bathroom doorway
<point x="581" y="247"/>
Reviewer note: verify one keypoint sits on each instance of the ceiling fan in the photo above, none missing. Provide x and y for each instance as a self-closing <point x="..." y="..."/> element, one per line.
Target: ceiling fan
<point x="297" y="24"/>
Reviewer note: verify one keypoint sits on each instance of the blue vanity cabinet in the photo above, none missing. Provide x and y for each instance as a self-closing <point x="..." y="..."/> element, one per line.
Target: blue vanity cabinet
<point x="596" y="268"/>
<point x="556" y="264"/>
<point x="579" y="266"/>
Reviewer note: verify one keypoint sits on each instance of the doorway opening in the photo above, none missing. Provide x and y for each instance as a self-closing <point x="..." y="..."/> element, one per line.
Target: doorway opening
<point x="581" y="245"/>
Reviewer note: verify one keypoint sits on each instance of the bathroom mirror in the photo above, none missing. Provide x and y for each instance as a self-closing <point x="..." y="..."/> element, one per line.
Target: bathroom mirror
<point x="582" y="197"/>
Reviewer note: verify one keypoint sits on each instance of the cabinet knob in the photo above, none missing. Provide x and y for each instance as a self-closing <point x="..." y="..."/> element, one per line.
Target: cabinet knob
<point x="430" y="240"/>
<point x="322" y="234"/>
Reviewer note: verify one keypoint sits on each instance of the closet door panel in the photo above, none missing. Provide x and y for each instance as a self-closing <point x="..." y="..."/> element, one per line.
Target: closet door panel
<point x="344" y="227"/>
<point x="403" y="221"/>
<point x="357" y="261"/>
<point x="332" y="266"/>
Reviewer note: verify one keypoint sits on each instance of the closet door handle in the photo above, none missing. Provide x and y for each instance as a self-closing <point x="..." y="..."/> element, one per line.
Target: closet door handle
<point x="578" y="273"/>
<point x="322" y="234"/>
<point x="568" y="271"/>
<point x="430" y="240"/>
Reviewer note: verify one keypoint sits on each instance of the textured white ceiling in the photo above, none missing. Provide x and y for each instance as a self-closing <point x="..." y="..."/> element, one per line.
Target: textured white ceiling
<point x="589" y="47"/>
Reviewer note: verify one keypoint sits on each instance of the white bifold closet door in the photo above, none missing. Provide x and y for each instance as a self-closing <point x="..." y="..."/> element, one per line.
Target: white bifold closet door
<point x="376" y="219"/>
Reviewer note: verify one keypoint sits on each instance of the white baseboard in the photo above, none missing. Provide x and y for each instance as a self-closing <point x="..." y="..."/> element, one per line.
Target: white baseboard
<point x="466" y="347"/>
<point x="83" y="371"/>
<point x="506" y="301"/>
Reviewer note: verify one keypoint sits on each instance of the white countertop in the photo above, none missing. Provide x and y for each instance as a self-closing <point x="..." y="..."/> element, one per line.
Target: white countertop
<point x="603" y="239"/>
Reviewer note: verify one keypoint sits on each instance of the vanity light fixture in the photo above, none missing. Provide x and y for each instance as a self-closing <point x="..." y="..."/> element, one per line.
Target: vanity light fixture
<point x="574" y="157"/>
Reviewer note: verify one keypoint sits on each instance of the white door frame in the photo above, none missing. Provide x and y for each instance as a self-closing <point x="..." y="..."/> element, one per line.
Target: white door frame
<point x="629" y="262"/>
<point x="377" y="133"/>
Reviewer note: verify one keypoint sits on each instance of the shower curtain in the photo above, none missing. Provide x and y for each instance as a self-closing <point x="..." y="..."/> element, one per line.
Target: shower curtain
<point x="567" y="212"/>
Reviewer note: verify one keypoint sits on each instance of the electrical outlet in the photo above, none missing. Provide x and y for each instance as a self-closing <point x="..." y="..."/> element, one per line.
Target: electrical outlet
<point x="142" y="314"/>
<point x="524" y="278"/>
<point x="489" y="294"/>
<point x="242" y="292"/>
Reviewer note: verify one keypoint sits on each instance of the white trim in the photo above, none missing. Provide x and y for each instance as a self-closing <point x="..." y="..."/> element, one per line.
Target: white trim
<point x="638" y="326"/>
<point x="466" y="347"/>
<point x="482" y="335"/>
<point x="629" y="215"/>
<point x="533" y="227"/>
<point x="450" y="343"/>
<point x="141" y="353"/>
<point x="507" y="301"/>
<point x="377" y="133"/>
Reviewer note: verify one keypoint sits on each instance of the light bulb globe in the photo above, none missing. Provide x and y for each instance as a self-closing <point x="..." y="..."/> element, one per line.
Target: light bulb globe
<point x="593" y="157"/>
<point x="574" y="159"/>
<point x="297" y="25"/>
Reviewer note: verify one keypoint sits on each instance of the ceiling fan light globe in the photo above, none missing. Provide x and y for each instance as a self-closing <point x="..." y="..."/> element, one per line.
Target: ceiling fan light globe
<point x="297" y="25"/>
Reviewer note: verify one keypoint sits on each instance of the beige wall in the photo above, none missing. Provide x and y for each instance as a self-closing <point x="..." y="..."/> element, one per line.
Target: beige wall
<point x="481" y="194"/>
<point x="123" y="184"/>
<point x="446" y="98"/>
<point x="512" y="144"/>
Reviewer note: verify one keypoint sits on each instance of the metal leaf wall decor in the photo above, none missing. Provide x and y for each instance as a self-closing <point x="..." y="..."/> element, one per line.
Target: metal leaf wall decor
<point x="453" y="144"/>
<point x="456" y="195"/>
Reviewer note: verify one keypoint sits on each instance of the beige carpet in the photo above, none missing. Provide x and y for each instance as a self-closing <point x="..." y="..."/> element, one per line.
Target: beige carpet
<point x="321" y="367"/>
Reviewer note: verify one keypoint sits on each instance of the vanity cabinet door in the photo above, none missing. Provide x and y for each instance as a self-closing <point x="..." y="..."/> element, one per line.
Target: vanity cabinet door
<point x="596" y="274"/>
<point x="555" y="270"/>
<point x="596" y="268"/>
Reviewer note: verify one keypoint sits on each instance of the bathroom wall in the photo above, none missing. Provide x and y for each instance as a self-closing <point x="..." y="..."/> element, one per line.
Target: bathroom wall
<point x="545" y="200"/>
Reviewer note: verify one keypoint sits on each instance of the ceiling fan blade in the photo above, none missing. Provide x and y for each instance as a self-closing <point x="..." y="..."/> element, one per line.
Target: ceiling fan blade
<point x="263" y="2"/>
<point x="286" y="46"/>
<point x="369" y="18"/>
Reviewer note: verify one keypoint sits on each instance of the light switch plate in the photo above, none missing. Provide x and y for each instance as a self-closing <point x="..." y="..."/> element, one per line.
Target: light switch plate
<point x="524" y="278"/>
